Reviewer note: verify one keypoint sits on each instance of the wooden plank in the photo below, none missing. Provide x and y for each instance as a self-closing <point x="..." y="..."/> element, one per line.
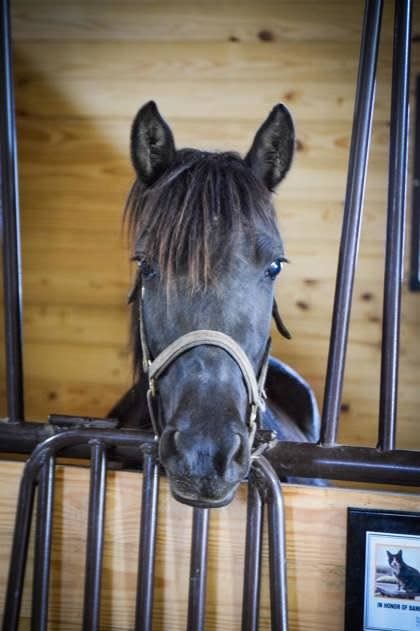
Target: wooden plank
<point x="66" y="143"/>
<point x="188" y="21"/>
<point x="83" y="68"/>
<point x="316" y="569"/>
<point x="96" y="99"/>
<point x="54" y="395"/>
<point x="290" y="62"/>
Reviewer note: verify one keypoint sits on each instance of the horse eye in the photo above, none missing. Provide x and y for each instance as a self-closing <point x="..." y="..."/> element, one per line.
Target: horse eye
<point x="275" y="268"/>
<point x="146" y="269"/>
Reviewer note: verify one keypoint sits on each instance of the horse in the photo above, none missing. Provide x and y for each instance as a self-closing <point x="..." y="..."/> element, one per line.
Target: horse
<point x="208" y="251"/>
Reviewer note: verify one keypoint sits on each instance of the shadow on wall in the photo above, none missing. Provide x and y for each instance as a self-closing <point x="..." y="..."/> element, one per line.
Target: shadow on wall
<point x="76" y="276"/>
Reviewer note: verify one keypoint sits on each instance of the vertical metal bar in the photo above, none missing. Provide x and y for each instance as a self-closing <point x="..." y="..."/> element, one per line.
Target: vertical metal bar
<point x="415" y="212"/>
<point x="277" y="545"/>
<point x="361" y="133"/>
<point x="19" y="553"/>
<point x="95" y="537"/>
<point x="12" y="269"/>
<point x="39" y="617"/>
<point x="198" y="570"/>
<point x="253" y="549"/>
<point x="395" y="225"/>
<point x="148" y="525"/>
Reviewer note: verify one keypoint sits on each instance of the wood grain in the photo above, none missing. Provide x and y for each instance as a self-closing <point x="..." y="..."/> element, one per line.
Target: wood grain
<point x="316" y="568"/>
<point x="82" y="69"/>
<point x="189" y="21"/>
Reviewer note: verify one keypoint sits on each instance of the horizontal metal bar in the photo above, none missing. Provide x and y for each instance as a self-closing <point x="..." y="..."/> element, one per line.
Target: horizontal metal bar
<point x="359" y="464"/>
<point x="23" y="438"/>
<point x="356" y="464"/>
<point x="73" y="422"/>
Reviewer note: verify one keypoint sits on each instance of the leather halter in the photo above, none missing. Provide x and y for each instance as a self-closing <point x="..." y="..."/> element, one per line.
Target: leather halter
<point x="202" y="337"/>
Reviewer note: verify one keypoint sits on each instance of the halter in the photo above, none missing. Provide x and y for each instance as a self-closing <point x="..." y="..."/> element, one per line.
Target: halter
<point x="154" y="368"/>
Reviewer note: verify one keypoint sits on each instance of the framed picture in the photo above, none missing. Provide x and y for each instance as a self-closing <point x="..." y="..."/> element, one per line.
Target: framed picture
<point x="383" y="571"/>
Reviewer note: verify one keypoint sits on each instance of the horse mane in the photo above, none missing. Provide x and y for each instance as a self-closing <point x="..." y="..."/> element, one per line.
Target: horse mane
<point x="189" y="218"/>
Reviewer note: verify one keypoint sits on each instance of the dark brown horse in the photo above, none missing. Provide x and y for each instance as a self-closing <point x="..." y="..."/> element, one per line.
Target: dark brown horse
<point x="208" y="250"/>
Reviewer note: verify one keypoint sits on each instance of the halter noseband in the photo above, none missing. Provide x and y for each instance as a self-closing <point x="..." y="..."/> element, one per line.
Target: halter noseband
<point x="203" y="337"/>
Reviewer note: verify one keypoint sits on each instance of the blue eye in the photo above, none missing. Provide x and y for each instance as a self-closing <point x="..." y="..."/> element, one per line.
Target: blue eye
<point x="275" y="268"/>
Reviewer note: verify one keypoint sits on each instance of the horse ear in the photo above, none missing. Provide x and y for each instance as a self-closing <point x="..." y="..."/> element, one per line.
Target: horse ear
<point x="152" y="144"/>
<point x="272" y="150"/>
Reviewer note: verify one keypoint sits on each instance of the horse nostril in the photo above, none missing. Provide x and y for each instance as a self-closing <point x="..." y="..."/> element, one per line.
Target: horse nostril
<point x="169" y="444"/>
<point x="237" y="452"/>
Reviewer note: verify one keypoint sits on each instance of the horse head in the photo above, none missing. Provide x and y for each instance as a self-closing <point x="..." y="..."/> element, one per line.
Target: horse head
<point x="208" y="250"/>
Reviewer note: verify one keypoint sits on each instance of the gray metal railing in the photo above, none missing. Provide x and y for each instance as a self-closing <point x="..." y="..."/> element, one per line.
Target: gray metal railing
<point x="264" y="488"/>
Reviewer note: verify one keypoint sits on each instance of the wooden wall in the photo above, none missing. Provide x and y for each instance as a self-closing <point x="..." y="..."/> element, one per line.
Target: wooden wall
<point x="82" y="68"/>
<point x="316" y="564"/>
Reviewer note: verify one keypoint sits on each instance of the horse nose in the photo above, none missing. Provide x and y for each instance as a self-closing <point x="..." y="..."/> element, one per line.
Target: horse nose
<point x="223" y="454"/>
<point x="202" y="468"/>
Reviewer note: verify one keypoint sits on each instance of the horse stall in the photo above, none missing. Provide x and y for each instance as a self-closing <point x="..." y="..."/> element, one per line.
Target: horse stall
<point x="108" y="547"/>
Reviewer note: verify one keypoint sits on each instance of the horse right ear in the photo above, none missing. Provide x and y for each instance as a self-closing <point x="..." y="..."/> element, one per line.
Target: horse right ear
<point x="272" y="150"/>
<point x="152" y="144"/>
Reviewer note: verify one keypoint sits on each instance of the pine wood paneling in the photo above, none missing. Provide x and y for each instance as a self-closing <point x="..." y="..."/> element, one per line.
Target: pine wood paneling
<point x="83" y="68"/>
<point x="316" y="565"/>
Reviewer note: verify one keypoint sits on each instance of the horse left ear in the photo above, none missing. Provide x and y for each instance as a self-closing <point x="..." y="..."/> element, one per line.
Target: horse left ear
<point x="152" y="144"/>
<point x="272" y="150"/>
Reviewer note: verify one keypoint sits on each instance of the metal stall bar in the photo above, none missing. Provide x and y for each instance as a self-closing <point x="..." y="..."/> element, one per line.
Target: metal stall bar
<point x="395" y="225"/>
<point x="95" y="537"/>
<point x="343" y="462"/>
<point x="148" y="525"/>
<point x="198" y="570"/>
<point x="415" y="202"/>
<point x="340" y="462"/>
<point x="359" y="148"/>
<point x="41" y="454"/>
<point x="10" y="231"/>
<point x="277" y="544"/>
<point x="19" y="551"/>
<point x="43" y="537"/>
<point x="253" y="550"/>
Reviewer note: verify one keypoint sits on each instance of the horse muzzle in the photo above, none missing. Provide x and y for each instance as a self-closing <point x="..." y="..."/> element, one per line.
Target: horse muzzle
<point x="204" y="471"/>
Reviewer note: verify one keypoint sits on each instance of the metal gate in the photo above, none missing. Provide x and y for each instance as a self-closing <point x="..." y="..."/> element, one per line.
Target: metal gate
<point x="381" y="463"/>
<point x="264" y="488"/>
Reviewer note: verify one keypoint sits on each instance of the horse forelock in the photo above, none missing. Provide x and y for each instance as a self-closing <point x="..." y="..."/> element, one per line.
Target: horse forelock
<point x="189" y="219"/>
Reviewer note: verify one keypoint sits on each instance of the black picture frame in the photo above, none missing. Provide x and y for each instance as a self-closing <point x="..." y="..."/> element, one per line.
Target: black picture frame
<point x="363" y="525"/>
